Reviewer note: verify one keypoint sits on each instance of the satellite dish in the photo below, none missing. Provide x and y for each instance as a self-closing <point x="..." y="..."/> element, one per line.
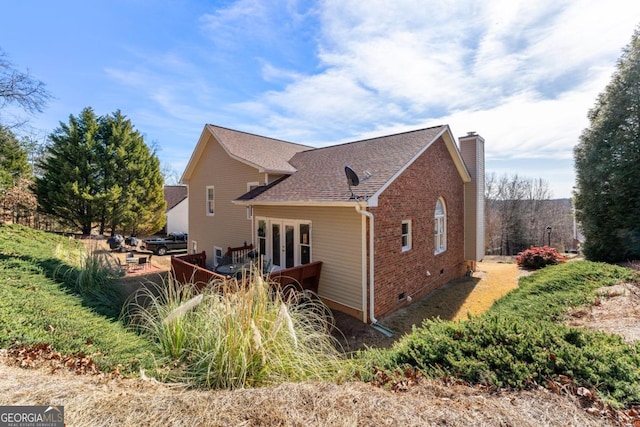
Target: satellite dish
<point x="352" y="180"/>
<point x="352" y="177"/>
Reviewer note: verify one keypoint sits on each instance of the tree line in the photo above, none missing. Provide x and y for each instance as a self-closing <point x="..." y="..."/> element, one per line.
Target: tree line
<point x="519" y="213"/>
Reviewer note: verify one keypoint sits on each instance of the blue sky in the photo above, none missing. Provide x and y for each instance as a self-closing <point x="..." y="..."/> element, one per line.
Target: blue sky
<point x="523" y="74"/>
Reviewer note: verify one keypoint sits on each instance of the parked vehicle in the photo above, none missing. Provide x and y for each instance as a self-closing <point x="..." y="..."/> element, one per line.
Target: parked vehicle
<point x="160" y="246"/>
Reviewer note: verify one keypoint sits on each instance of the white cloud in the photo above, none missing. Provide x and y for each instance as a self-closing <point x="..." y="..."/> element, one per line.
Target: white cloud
<point x="522" y="73"/>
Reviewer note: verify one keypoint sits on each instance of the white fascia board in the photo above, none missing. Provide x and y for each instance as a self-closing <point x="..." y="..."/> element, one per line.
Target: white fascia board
<point x="453" y="151"/>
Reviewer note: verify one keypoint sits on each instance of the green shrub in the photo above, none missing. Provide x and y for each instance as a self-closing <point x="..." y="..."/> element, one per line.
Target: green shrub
<point x="538" y="257"/>
<point x="548" y="293"/>
<point x="516" y="353"/>
<point x="517" y="343"/>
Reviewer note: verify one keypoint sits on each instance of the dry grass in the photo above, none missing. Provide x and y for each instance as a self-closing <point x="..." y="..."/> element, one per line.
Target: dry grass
<point x="493" y="279"/>
<point x="615" y="311"/>
<point x="98" y="401"/>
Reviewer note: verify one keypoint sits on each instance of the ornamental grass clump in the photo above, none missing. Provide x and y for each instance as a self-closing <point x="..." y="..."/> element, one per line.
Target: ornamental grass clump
<point x="538" y="257"/>
<point x="91" y="274"/>
<point x="233" y="335"/>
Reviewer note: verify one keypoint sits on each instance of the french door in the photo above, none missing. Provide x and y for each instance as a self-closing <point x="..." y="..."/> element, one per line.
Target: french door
<point x="283" y="243"/>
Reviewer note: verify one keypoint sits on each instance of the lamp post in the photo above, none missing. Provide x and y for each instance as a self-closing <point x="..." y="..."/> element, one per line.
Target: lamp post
<point x="549" y="235"/>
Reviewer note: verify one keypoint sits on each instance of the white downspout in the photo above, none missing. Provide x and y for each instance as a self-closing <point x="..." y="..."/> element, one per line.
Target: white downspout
<point x="359" y="209"/>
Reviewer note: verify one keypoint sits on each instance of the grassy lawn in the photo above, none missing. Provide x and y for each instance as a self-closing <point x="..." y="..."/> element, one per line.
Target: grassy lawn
<point x="40" y="303"/>
<point x="51" y="293"/>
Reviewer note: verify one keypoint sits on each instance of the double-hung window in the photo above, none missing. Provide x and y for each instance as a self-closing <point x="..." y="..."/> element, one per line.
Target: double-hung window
<point x="406" y="235"/>
<point x="440" y="227"/>
<point x="304" y="234"/>
<point x="211" y="200"/>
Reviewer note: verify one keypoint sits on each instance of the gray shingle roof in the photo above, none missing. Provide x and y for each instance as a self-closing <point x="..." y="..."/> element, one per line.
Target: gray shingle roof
<point x="174" y="194"/>
<point x="266" y="154"/>
<point x="320" y="175"/>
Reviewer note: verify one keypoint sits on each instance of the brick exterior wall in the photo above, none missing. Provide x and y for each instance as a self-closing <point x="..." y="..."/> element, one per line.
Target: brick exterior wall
<point x="413" y="196"/>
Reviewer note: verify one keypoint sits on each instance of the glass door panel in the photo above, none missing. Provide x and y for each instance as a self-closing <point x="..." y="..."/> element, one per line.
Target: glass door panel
<point x="275" y="244"/>
<point x="289" y="247"/>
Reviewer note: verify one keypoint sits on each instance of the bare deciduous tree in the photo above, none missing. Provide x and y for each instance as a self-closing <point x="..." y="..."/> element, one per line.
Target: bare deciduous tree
<point x="20" y="88"/>
<point x="518" y="212"/>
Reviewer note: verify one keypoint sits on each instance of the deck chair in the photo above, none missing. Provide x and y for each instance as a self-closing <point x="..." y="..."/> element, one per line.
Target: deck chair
<point x="124" y="268"/>
<point x="142" y="262"/>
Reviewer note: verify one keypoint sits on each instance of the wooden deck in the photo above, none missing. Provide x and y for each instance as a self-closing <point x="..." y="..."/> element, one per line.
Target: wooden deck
<point x="192" y="269"/>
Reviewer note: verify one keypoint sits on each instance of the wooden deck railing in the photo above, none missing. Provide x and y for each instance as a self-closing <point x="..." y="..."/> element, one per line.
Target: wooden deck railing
<point x="191" y="269"/>
<point x="305" y="276"/>
<point x="239" y="254"/>
<point x="187" y="269"/>
<point x="199" y="259"/>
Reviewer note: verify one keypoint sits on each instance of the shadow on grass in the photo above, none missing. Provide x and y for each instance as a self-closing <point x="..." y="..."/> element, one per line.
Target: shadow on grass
<point x="443" y="303"/>
<point x="105" y="298"/>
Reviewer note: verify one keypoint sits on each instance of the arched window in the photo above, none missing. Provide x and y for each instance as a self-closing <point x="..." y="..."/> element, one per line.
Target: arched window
<point x="440" y="227"/>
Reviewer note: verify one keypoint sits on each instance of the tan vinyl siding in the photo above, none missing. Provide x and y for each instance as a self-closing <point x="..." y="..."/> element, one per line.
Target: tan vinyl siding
<point x="336" y="241"/>
<point x="229" y="225"/>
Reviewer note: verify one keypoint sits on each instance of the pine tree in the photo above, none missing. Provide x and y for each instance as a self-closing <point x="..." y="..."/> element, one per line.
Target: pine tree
<point x="16" y="199"/>
<point x="607" y="162"/>
<point x="136" y="202"/>
<point x="13" y="159"/>
<point x="69" y="184"/>
<point x="100" y="172"/>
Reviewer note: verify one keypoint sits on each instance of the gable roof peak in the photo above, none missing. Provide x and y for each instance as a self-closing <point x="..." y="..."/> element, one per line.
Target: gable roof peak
<point x="267" y="155"/>
<point x="255" y="135"/>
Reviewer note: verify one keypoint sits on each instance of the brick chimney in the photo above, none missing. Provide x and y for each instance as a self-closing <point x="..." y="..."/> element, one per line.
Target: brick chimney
<point x="472" y="150"/>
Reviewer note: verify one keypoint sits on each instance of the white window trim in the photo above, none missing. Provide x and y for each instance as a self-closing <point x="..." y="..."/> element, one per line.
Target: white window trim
<point x="209" y="203"/>
<point x="215" y="256"/>
<point x="296" y="236"/>
<point x="406" y="247"/>
<point x="440" y="229"/>
<point x="299" y="244"/>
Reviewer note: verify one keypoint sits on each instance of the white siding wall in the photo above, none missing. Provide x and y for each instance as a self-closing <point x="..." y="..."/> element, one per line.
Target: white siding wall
<point x="178" y="218"/>
<point x="229" y="226"/>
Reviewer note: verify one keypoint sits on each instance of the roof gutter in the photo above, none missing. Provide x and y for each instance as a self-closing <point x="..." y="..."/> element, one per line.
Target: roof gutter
<point x="293" y="203"/>
<point x="361" y="211"/>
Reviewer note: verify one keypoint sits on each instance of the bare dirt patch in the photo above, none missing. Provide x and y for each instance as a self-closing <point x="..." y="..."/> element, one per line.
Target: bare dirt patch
<point x="616" y="310"/>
